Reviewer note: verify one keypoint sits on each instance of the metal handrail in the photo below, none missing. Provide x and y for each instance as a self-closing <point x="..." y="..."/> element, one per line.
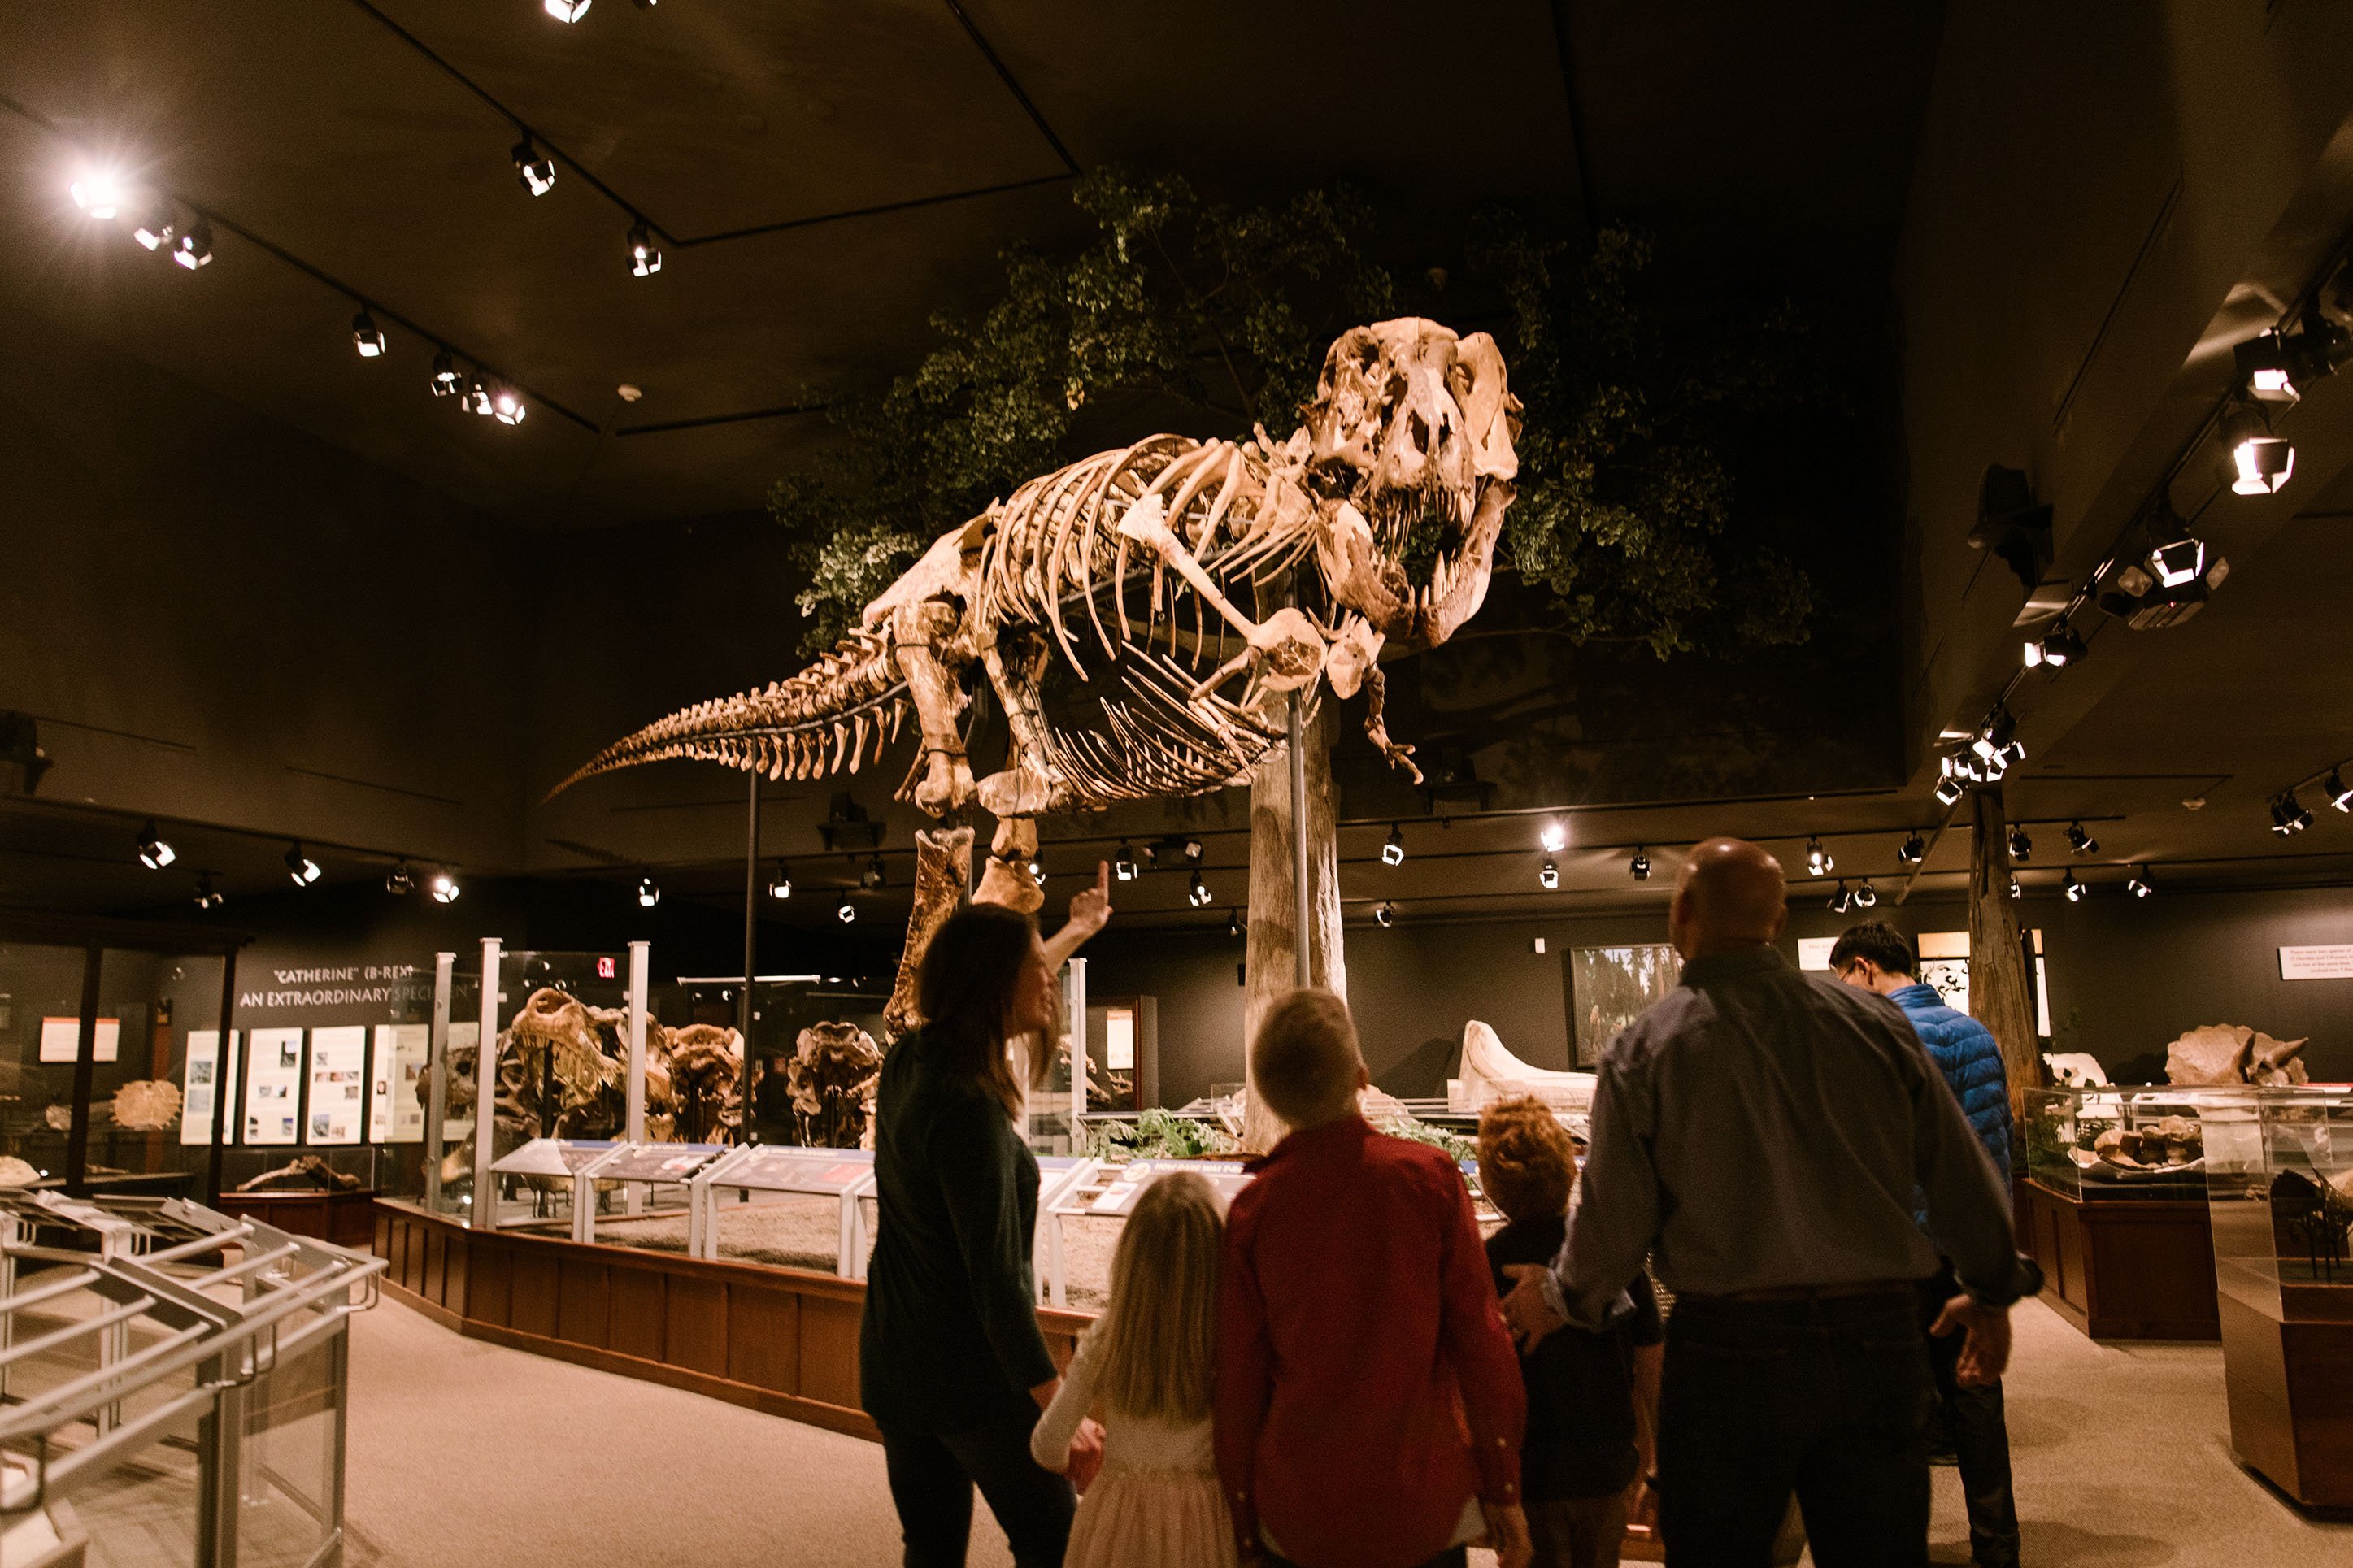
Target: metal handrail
<point x="252" y="1261"/>
<point x="16" y="1420"/>
<point x="235" y="1234"/>
<point x="74" y="1330"/>
<point x="50" y="1291"/>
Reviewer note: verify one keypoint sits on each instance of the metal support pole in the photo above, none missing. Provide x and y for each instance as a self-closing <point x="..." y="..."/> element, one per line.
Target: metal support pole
<point x="746" y="1076"/>
<point x="437" y="1085"/>
<point x="486" y="1093"/>
<point x="222" y="1086"/>
<point x="1303" y="901"/>
<point x="1074" y="1010"/>
<point x="85" y="1065"/>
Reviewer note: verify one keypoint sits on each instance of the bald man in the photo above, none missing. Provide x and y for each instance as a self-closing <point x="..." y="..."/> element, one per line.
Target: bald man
<point x="1759" y="1135"/>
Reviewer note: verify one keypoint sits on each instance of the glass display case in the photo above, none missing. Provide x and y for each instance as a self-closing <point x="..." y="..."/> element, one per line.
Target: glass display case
<point x="561" y="1037"/>
<point x="2127" y="1142"/>
<point x="2279" y="1176"/>
<point x="809" y="1067"/>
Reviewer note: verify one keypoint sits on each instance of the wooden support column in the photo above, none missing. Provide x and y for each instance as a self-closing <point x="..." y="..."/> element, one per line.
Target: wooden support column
<point x="1998" y="996"/>
<point x="1272" y="952"/>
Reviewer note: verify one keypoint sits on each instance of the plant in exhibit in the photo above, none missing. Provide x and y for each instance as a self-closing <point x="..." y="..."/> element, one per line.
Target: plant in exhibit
<point x="1639" y="388"/>
<point x="1157" y="1134"/>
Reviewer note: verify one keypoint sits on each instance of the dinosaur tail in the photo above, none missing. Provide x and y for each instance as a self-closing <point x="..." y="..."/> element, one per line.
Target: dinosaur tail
<point x="838" y="713"/>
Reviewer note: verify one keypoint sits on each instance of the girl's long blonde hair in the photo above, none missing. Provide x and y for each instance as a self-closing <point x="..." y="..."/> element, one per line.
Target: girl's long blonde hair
<point x="1160" y="1336"/>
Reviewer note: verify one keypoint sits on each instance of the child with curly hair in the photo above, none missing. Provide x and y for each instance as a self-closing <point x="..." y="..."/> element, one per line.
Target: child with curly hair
<point x="1592" y="1397"/>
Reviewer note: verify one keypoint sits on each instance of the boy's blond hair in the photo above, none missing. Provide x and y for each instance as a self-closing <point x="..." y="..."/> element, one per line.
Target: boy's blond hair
<point x="1306" y="1058"/>
<point x="1526" y="1160"/>
<point x="1160" y="1336"/>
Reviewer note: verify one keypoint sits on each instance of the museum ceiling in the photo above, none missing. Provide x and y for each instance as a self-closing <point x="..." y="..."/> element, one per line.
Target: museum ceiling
<point x="822" y="178"/>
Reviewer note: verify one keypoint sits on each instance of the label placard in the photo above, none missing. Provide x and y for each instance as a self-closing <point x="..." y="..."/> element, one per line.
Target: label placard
<point x="2328" y="962"/>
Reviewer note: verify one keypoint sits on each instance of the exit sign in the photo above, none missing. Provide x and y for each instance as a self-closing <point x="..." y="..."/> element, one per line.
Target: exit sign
<point x="605" y="968"/>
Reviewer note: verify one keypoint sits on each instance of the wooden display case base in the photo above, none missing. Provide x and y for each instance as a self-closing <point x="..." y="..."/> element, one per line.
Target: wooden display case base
<point x="346" y="1219"/>
<point x="776" y="1340"/>
<point x="2290" y="1387"/>
<point x="2123" y="1269"/>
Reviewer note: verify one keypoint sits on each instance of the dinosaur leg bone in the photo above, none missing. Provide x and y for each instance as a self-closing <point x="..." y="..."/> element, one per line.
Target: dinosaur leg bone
<point x="946" y="782"/>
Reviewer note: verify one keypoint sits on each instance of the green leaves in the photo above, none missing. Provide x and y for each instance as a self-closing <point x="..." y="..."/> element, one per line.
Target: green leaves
<point x="1643" y="402"/>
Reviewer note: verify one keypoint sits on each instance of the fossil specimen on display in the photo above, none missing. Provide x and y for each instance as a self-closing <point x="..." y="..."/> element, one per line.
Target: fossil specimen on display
<point x="15" y="1173"/>
<point x="2233" y="1053"/>
<point x="1192" y="588"/>
<point x="562" y="1072"/>
<point x="1489" y="1071"/>
<point x="303" y="1171"/>
<point x="831" y="1077"/>
<point x="146" y="1105"/>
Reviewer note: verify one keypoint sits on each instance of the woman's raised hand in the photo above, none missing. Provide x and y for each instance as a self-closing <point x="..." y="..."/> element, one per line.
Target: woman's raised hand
<point x="1091" y="908"/>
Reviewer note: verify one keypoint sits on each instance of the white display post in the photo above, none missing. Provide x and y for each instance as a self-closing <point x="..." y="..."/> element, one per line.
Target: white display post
<point x="486" y="1092"/>
<point x="1074" y="1013"/>
<point x="634" y="1128"/>
<point x="436" y="1089"/>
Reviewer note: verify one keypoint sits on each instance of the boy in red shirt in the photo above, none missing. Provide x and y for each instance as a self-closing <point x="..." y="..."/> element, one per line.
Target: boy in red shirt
<point x="1368" y="1403"/>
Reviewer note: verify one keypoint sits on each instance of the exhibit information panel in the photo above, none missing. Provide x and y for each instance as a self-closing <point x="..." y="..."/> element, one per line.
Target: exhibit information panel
<point x="659" y="1161"/>
<point x="395" y="1109"/>
<point x="338" y="1078"/>
<point x="273" y="1087"/>
<point x="552" y="1157"/>
<point x="203" y="1077"/>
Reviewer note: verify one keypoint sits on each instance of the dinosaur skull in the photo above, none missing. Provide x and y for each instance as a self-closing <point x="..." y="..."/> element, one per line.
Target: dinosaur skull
<point x="1409" y="434"/>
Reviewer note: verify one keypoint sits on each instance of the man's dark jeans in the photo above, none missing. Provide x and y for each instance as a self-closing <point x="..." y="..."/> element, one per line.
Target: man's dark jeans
<point x="1980" y="1436"/>
<point x="1825" y="1397"/>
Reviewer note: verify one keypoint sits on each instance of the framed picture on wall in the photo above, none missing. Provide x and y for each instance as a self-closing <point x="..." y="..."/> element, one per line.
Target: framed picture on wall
<point x="1608" y="987"/>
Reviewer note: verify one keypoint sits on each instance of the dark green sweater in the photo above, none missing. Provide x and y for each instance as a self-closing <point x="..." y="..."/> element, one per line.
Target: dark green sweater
<point x="950" y="1338"/>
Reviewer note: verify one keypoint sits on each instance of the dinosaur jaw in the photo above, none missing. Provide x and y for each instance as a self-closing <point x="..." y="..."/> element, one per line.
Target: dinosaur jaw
<point x="1369" y="579"/>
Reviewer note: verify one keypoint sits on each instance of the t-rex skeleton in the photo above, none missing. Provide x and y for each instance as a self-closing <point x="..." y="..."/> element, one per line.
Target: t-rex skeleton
<point x="1406" y="445"/>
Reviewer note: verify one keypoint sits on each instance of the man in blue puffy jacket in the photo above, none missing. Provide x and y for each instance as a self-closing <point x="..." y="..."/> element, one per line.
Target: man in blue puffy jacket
<point x="1874" y="956"/>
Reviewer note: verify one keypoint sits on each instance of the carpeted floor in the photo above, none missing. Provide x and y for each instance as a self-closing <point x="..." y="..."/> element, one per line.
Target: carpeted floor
<point x="462" y="1453"/>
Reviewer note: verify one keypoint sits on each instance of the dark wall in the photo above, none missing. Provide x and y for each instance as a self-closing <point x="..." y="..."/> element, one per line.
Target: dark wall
<point x="2125" y="976"/>
<point x="219" y="619"/>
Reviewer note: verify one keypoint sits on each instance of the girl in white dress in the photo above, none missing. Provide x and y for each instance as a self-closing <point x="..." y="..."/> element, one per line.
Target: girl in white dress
<point x="1145" y="1366"/>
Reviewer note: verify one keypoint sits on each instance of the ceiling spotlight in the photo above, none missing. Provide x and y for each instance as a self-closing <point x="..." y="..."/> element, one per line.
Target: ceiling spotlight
<point x="2260" y="462"/>
<point x="872" y="878"/>
<point x="2139" y="884"/>
<point x="568" y="10"/>
<point x="2298" y="818"/>
<point x="399" y="881"/>
<point x="2073" y="888"/>
<point x="1234" y="924"/>
<point x="2079" y="841"/>
<point x="2022" y="848"/>
<point x="1866" y="896"/>
<point x="1993" y="744"/>
<point x="1385" y="913"/>
<point x="1197" y="893"/>
<point x="1191" y="849"/>
<point x="2266" y="369"/>
<point x="1819" y="859"/>
<point x="535" y="168"/>
<point x="1840" y="901"/>
<point x="155" y="228"/>
<point x="476" y="398"/>
<point x="300" y="866"/>
<point x="649" y="894"/>
<point x="1913" y="850"/>
<point x="1549" y="876"/>
<point x="366" y="336"/>
<point x="444" y="887"/>
<point x="644" y="256"/>
<point x="2016" y="891"/>
<point x="193" y="247"/>
<point x="780" y="882"/>
<point x="2060" y="647"/>
<point x="1553" y="836"/>
<point x="99" y="194"/>
<point x="447" y="383"/>
<point x="1123" y="866"/>
<point x="1639" y="867"/>
<point x="1037" y="871"/>
<point x="1950" y="787"/>
<point x="844" y="911"/>
<point x="2179" y="562"/>
<point x="1393" y="852"/>
<point x="154" y="853"/>
<point x="206" y="897"/>
<point x="507" y="404"/>
<point x="2338" y="796"/>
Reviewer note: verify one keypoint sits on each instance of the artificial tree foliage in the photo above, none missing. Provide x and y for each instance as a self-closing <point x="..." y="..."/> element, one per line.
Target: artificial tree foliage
<point x="1643" y="399"/>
